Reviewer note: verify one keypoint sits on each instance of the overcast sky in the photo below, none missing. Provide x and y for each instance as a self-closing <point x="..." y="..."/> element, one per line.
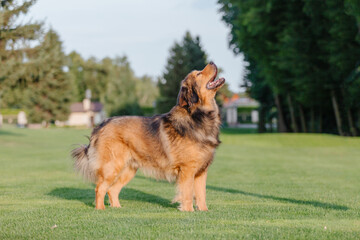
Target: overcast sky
<point x="144" y="30"/>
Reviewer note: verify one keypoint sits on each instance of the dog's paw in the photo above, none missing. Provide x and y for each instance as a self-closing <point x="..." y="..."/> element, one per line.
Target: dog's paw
<point x="100" y="207"/>
<point x="202" y="208"/>
<point x="117" y="205"/>
<point x="186" y="207"/>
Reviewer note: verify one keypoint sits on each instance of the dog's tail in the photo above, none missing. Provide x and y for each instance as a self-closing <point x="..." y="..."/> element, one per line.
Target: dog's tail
<point x="82" y="163"/>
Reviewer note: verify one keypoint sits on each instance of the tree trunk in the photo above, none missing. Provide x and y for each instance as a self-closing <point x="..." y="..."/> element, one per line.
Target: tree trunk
<point x="292" y="115"/>
<point x="357" y="123"/>
<point x="320" y="121"/>
<point x="351" y="123"/>
<point x="349" y="116"/>
<point x="302" y="118"/>
<point x="262" y="121"/>
<point x="312" y="120"/>
<point x="280" y="121"/>
<point x="337" y="113"/>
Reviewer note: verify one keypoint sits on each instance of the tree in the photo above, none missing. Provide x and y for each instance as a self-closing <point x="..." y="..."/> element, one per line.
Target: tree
<point x="260" y="90"/>
<point x="15" y="50"/>
<point x="254" y="27"/>
<point x="49" y="93"/>
<point x="307" y="52"/>
<point x="146" y="91"/>
<point x="112" y="82"/>
<point x="75" y="63"/>
<point x="343" y="52"/>
<point x="93" y="77"/>
<point x="121" y="98"/>
<point x="353" y="8"/>
<point x="184" y="57"/>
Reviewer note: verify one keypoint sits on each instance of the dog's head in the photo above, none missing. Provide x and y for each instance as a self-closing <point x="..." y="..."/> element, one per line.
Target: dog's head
<point x="199" y="88"/>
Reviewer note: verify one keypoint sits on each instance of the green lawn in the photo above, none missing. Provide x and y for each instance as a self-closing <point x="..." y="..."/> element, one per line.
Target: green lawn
<point x="269" y="186"/>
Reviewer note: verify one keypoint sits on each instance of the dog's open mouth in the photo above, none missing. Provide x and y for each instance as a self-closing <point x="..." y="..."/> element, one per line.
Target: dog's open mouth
<point x="213" y="84"/>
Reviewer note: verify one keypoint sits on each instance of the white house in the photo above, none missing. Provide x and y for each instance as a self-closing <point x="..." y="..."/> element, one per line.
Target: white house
<point x="240" y="109"/>
<point x="86" y="113"/>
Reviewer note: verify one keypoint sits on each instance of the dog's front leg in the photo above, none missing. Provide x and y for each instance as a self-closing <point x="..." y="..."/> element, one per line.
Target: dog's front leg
<point x="186" y="190"/>
<point x="200" y="191"/>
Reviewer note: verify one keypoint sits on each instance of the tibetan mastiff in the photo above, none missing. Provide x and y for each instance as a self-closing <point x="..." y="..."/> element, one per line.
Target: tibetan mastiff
<point x="175" y="146"/>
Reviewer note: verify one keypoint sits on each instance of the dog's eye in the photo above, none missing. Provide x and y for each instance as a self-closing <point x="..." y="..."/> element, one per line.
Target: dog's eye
<point x="198" y="73"/>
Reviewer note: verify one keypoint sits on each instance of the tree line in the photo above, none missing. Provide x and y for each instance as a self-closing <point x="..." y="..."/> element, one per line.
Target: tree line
<point x="113" y="83"/>
<point x="36" y="74"/>
<point x="303" y="60"/>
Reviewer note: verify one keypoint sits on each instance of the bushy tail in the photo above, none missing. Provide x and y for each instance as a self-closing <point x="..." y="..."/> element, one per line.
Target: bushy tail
<point x="82" y="163"/>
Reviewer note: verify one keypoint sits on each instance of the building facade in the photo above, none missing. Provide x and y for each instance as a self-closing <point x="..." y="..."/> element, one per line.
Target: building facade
<point x="86" y="113"/>
<point x="240" y="109"/>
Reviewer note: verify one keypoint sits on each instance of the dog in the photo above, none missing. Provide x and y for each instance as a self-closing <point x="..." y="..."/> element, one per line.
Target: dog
<point x="175" y="146"/>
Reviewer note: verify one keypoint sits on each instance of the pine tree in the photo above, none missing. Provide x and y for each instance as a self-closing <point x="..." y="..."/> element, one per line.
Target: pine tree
<point x="14" y="50"/>
<point x="184" y="57"/>
<point x="49" y="94"/>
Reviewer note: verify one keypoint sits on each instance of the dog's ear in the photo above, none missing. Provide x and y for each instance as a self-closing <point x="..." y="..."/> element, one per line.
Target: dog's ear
<point x="194" y="96"/>
<point x="187" y="97"/>
<point x="183" y="97"/>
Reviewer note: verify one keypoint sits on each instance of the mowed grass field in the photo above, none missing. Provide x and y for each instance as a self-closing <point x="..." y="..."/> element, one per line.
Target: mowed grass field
<point x="260" y="186"/>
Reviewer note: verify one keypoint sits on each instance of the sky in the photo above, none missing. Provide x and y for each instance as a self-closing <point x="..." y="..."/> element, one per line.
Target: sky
<point x="143" y="30"/>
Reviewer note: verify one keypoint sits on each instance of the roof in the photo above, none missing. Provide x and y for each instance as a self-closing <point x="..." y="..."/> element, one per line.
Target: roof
<point x="240" y="101"/>
<point x="79" y="107"/>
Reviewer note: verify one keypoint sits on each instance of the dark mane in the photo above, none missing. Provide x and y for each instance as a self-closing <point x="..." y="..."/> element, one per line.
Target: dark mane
<point x="198" y="125"/>
<point x="152" y="124"/>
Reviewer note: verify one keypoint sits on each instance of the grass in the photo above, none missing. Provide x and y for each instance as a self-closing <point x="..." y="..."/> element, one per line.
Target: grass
<point x="269" y="186"/>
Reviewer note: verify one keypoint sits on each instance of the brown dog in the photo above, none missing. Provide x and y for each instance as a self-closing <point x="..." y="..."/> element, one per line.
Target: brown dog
<point x="178" y="145"/>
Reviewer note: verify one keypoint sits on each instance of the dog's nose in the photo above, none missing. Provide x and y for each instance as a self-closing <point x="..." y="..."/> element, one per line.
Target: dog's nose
<point x="211" y="63"/>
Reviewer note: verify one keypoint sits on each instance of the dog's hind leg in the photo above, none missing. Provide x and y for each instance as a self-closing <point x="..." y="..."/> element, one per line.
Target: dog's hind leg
<point x="125" y="176"/>
<point x="113" y="158"/>
<point x="102" y="186"/>
<point x="200" y="191"/>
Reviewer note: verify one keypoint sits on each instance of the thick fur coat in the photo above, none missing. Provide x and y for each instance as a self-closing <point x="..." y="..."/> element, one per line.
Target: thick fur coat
<point x="176" y="146"/>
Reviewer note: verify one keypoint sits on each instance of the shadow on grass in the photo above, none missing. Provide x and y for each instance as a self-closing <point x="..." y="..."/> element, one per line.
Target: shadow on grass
<point x="282" y="199"/>
<point x="87" y="196"/>
<point x="8" y="133"/>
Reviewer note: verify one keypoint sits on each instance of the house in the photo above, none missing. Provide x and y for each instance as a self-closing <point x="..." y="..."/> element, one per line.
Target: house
<point x="240" y="108"/>
<point x="86" y="113"/>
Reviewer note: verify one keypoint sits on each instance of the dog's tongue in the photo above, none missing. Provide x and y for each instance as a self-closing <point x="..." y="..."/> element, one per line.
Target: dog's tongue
<point x="216" y="83"/>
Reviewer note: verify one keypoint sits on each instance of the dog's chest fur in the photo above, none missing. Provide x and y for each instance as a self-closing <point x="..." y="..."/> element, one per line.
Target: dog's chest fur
<point x="181" y="139"/>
